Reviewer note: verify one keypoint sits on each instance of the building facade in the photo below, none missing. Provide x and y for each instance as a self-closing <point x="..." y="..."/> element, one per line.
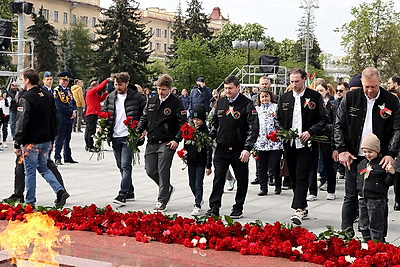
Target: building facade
<point x="64" y="13"/>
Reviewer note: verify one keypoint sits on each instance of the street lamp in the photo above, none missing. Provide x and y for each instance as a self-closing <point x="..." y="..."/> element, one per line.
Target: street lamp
<point x="248" y="44"/>
<point x="307" y="5"/>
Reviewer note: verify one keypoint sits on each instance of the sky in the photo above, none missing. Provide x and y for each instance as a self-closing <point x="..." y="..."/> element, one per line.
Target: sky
<point x="280" y="17"/>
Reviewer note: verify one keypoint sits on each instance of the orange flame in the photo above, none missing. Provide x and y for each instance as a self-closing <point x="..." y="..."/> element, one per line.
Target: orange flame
<point x="37" y="234"/>
<point x="27" y="148"/>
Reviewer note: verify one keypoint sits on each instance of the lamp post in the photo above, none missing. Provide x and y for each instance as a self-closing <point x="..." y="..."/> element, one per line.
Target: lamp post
<point x="248" y="44"/>
<point x="307" y="5"/>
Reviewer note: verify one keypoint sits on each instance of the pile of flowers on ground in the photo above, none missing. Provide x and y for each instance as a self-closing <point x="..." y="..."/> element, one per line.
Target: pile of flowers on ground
<point x="273" y="240"/>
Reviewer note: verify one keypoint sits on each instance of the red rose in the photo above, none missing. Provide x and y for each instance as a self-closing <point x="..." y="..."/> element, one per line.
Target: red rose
<point x="182" y="153"/>
<point x="134" y="124"/>
<point x="128" y="121"/>
<point x="273" y="137"/>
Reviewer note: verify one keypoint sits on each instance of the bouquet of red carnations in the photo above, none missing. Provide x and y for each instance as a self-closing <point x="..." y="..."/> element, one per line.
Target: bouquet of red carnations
<point x="290" y="136"/>
<point x="133" y="138"/>
<point x="101" y="134"/>
<point x="194" y="137"/>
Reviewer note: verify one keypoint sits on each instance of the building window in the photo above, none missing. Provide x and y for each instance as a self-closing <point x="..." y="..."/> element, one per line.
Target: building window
<point x="65" y="17"/>
<point x="74" y="19"/>
<point x="45" y="13"/>
<point x="93" y="22"/>
<point x="151" y="46"/>
<point x="84" y="20"/>
<point x="170" y="35"/>
<point x="151" y="30"/>
<point x="55" y="16"/>
<point x="165" y="34"/>
<point x="158" y="32"/>
<point x="165" y="47"/>
<point x="158" y="46"/>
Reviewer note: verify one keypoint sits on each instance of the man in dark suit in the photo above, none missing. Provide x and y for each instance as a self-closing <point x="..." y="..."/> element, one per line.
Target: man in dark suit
<point x="300" y="109"/>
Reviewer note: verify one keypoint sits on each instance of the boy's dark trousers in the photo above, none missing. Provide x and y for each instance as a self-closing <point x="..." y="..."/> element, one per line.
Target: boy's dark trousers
<point x="196" y="177"/>
<point x="373" y="218"/>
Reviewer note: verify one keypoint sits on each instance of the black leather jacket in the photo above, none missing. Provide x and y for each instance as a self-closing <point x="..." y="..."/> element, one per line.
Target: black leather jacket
<point x="350" y="118"/>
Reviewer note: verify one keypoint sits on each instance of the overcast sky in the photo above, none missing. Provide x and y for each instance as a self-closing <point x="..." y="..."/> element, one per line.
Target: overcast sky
<point x="280" y="17"/>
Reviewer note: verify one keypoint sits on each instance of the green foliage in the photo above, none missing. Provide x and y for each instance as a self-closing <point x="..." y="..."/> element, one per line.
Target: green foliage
<point x="330" y="232"/>
<point x="77" y="54"/>
<point x="156" y="68"/>
<point x="196" y="22"/>
<point x="122" y="43"/>
<point x="44" y="36"/>
<point x="4" y="10"/>
<point x="371" y="38"/>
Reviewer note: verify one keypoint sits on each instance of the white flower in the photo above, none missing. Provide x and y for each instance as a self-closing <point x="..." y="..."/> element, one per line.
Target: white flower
<point x="364" y="246"/>
<point x="299" y="249"/>
<point x="194" y="242"/>
<point x="350" y="259"/>
<point x="203" y="240"/>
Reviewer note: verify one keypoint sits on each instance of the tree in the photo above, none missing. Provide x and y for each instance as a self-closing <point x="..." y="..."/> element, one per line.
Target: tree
<point x="178" y="32"/>
<point x="371" y="38"/>
<point x="77" y="53"/>
<point x="44" y="36"/>
<point x="122" y="43"/>
<point x="4" y="10"/>
<point x="196" y="22"/>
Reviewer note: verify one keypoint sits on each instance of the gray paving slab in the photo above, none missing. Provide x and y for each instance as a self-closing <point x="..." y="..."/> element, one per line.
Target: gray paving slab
<point x="91" y="181"/>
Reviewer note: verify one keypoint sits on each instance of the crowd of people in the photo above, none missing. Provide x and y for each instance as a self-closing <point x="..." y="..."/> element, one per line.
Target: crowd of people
<point x="359" y="123"/>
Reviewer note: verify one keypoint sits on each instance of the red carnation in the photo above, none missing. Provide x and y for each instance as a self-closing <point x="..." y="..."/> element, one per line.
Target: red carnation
<point x="273" y="137"/>
<point x="105" y="115"/>
<point x="128" y="121"/>
<point x="187" y="131"/>
<point x="182" y="153"/>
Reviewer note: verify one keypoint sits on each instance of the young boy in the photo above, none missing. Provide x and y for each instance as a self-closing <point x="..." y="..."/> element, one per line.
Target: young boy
<point x="198" y="161"/>
<point x="373" y="183"/>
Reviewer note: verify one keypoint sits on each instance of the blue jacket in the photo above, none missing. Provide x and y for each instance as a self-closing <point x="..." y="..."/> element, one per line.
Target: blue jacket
<point x="65" y="104"/>
<point x="200" y="95"/>
<point x="185" y="101"/>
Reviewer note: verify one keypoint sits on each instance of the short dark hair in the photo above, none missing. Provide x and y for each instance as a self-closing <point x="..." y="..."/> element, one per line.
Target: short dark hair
<point x="232" y="79"/>
<point x="396" y="79"/>
<point x="302" y="73"/>
<point x="31" y="74"/>
<point x="164" y="80"/>
<point x="122" y="77"/>
<point x="345" y="84"/>
<point x="271" y="95"/>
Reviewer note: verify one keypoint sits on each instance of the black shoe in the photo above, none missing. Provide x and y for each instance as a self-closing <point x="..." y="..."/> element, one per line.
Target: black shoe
<point x="120" y="200"/>
<point x="130" y="197"/>
<point x="263" y="193"/>
<point x="58" y="162"/>
<point x="278" y="190"/>
<point x="396" y="206"/>
<point x="61" y="198"/>
<point x="14" y="198"/>
<point x="212" y="212"/>
<point x="256" y="181"/>
<point x="70" y="161"/>
<point x="236" y="214"/>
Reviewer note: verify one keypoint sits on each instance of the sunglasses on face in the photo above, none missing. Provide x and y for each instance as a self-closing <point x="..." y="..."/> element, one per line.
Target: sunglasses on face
<point x="339" y="91"/>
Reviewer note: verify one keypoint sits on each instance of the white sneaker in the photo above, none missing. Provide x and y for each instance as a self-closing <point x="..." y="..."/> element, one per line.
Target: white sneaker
<point x="311" y="198"/>
<point x="297" y="217"/>
<point x="323" y="187"/>
<point x="5" y="145"/>
<point x="160" y="207"/>
<point x="196" y="211"/>
<point x="231" y="184"/>
<point x="331" y="196"/>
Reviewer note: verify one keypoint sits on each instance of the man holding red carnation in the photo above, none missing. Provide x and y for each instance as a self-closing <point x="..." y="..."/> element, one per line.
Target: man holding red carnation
<point x="125" y="101"/>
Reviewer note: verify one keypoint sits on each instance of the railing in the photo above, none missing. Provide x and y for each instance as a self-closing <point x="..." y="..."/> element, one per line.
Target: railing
<point x="249" y="76"/>
<point x="27" y="57"/>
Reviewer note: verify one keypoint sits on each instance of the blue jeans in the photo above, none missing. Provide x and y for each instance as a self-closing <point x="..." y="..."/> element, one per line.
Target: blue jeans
<point x="123" y="157"/>
<point x="13" y="119"/>
<point x="196" y="177"/>
<point x="373" y="218"/>
<point x="35" y="157"/>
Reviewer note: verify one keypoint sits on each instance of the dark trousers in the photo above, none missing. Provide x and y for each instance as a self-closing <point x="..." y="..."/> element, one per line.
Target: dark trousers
<point x="350" y="202"/>
<point x="196" y="177"/>
<point x="222" y="160"/>
<point x="63" y="140"/>
<point x="373" y="218"/>
<point x="300" y="164"/>
<point x="312" y="179"/>
<point x="90" y="130"/>
<point x="397" y="191"/>
<point x="327" y="170"/>
<point x="4" y="126"/>
<point x="19" y="175"/>
<point x="269" y="160"/>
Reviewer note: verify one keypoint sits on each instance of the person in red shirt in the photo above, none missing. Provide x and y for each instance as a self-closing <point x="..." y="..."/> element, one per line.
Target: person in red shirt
<point x="93" y="108"/>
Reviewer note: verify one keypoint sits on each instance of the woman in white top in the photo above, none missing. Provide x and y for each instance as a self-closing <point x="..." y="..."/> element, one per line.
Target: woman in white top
<point x="5" y="115"/>
<point x="269" y="151"/>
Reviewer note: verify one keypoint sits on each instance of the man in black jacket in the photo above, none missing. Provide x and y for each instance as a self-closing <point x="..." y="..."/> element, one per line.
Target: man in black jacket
<point x="235" y="129"/>
<point x="163" y="118"/>
<point x="370" y="109"/>
<point x="125" y="101"/>
<point x="300" y="109"/>
<point x="36" y="128"/>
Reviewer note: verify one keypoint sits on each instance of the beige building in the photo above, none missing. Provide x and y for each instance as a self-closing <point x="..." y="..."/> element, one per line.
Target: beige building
<point x="159" y="22"/>
<point x="63" y="13"/>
